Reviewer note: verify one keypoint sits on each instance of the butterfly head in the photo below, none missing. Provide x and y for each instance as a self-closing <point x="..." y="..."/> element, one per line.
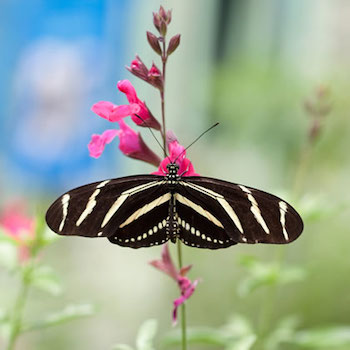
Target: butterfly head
<point x="173" y="169"/>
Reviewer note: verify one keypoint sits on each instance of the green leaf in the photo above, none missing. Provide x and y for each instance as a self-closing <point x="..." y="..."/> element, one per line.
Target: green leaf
<point x="283" y="333"/>
<point x="244" y="343"/>
<point x="146" y="334"/>
<point x="323" y="337"/>
<point x="122" y="347"/>
<point x="44" y="278"/>
<point x="8" y="255"/>
<point x="238" y="326"/>
<point x="69" y="313"/>
<point x="266" y="274"/>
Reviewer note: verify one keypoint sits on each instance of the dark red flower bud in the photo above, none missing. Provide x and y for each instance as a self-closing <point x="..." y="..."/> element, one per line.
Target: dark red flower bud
<point x="156" y="20"/>
<point x="154" y="43"/>
<point x="155" y="77"/>
<point x="162" y="13"/>
<point x="138" y="68"/>
<point x="173" y="44"/>
<point x="168" y="17"/>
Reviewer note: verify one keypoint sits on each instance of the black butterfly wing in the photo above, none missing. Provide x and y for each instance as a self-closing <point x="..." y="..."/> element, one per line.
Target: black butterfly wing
<point x="199" y="222"/>
<point x="237" y="213"/>
<point x="99" y="209"/>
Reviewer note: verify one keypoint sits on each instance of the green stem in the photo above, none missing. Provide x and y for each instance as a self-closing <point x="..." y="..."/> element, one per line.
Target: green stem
<point x="16" y="321"/>
<point x="183" y="308"/>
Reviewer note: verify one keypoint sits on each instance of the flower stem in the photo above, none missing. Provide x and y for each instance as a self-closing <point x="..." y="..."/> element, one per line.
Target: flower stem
<point x="179" y="252"/>
<point x="183" y="308"/>
<point x="164" y="59"/>
<point x="16" y="320"/>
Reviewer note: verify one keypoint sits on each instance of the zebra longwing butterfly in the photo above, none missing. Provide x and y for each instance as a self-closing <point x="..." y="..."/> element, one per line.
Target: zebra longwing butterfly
<point x="146" y="210"/>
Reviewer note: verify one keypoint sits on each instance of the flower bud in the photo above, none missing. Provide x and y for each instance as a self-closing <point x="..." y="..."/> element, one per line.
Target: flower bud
<point x="156" y="20"/>
<point x="163" y="28"/>
<point x="138" y="68"/>
<point x="154" y="43"/>
<point x="155" y="77"/>
<point x="173" y="44"/>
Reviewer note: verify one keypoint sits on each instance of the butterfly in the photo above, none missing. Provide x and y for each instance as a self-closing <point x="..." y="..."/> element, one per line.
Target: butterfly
<point x="148" y="210"/>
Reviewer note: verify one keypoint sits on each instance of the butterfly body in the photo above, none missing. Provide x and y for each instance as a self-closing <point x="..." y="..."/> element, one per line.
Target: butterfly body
<point x="147" y="210"/>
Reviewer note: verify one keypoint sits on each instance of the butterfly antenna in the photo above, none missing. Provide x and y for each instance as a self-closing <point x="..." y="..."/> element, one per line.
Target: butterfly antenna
<point x="150" y="129"/>
<point x="203" y="133"/>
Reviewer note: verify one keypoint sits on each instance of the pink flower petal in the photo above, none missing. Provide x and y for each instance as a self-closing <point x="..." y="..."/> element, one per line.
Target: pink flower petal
<point x="123" y="111"/>
<point x="127" y="88"/>
<point x="145" y="118"/>
<point x="178" y="154"/>
<point x="185" y="296"/>
<point x="103" y="109"/>
<point x="98" y="142"/>
<point x="166" y="264"/>
<point x="114" y="113"/>
<point x="133" y="146"/>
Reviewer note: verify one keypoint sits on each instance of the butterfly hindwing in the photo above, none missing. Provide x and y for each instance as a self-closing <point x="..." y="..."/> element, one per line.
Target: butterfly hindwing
<point x="144" y="219"/>
<point x="247" y="215"/>
<point x="200" y="220"/>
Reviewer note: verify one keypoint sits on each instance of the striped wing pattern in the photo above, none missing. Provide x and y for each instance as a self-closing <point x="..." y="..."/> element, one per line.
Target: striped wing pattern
<point x="98" y="209"/>
<point x="209" y="213"/>
<point x="246" y="215"/>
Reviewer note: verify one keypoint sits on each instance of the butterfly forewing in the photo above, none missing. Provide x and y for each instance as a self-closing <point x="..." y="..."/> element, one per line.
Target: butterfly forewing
<point x="99" y="208"/>
<point x="248" y="215"/>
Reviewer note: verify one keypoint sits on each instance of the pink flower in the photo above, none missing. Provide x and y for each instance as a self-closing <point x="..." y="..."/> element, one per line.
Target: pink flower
<point x="98" y="142"/>
<point x="185" y="285"/>
<point x="114" y="113"/>
<point x="177" y="153"/>
<point x="18" y="226"/>
<point x="147" y="119"/>
<point x="133" y="146"/>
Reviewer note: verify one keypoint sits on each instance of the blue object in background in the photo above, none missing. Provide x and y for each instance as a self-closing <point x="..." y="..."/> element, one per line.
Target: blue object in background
<point x="54" y="66"/>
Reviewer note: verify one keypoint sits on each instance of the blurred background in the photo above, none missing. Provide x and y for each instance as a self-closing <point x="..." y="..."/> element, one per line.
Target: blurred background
<point x="252" y="66"/>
